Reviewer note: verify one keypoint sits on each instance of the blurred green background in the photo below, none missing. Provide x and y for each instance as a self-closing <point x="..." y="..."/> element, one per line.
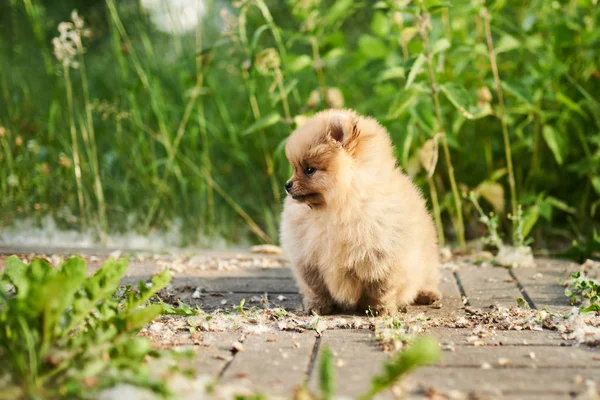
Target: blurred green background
<point x="158" y="115"/>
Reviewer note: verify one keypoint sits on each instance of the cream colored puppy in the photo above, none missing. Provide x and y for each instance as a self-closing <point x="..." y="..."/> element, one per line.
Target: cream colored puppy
<point x="355" y="228"/>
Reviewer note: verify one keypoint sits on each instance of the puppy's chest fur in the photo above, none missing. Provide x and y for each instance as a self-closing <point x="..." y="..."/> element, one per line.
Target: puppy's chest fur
<point x="358" y="245"/>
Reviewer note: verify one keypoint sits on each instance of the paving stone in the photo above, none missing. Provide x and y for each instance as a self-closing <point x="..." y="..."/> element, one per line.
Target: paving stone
<point x="273" y="363"/>
<point x="487" y="286"/>
<point x="357" y="359"/>
<point x="542" y="284"/>
<point x="504" y="381"/>
<point x="459" y="336"/>
<point x="450" y="303"/>
<point x="498" y="357"/>
<point x="241" y="285"/>
<point x="213" y="354"/>
<point x="226" y="301"/>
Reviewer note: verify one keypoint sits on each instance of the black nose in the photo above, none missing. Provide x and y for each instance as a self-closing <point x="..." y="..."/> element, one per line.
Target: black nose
<point x="288" y="185"/>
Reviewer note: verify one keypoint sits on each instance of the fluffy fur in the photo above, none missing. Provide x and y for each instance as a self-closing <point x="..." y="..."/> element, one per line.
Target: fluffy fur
<point x="356" y="230"/>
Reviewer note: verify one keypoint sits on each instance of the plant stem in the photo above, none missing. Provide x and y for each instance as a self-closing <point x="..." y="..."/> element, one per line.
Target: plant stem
<point x="436" y="211"/>
<point x="434" y="94"/>
<point x="93" y="149"/>
<point x="203" y="132"/>
<point x="318" y="66"/>
<point x="502" y="116"/>
<point x="76" y="161"/>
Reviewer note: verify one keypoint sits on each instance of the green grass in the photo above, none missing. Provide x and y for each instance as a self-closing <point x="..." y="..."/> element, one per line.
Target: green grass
<point x="191" y="127"/>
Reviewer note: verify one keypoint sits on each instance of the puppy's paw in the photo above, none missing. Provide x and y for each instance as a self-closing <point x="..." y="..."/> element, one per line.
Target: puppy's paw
<point x="427" y="297"/>
<point x="318" y="306"/>
<point x="389" y="309"/>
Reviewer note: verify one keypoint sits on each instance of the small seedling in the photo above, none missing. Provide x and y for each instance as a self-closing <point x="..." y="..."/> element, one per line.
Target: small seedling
<point x="580" y="290"/>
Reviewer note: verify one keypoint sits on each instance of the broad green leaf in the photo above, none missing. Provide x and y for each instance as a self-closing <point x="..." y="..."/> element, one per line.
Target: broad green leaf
<point x="556" y="142"/>
<point x="415" y="69"/>
<point x="407" y="34"/>
<point x="137" y="319"/>
<point x="506" y="43"/>
<point x="441" y="45"/>
<point x="380" y="25"/>
<point x="59" y="293"/>
<point x="392" y="73"/>
<point x="529" y="220"/>
<point x="15" y="271"/>
<point x="437" y="5"/>
<point x="339" y="11"/>
<point x="372" y="47"/>
<point x="326" y="375"/>
<point x="459" y="97"/>
<point x="145" y="292"/>
<point x="263" y="123"/>
<point x="99" y="287"/>
<point x="517" y="92"/>
<point x="299" y="63"/>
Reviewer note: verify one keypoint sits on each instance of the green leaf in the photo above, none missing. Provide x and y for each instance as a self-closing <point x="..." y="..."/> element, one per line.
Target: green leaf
<point x="326" y="375"/>
<point x="522" y="303"/>
<point x="561" y="205"/>
<point x="591" y="308"/>
<point x="519" y="93"/>
<point x="380" y="25"/>
<point x="506" y="43"/>
<point x="159" y="281"/>
<point x="529" y="220"/>
<point x="556" y="142"/>
<point x="67" y="282"/>
<point x="596" y="183"/>
<point x="563" y="99"/>
<point x="415" y="70"/>
<point x="299" y="63"/>
<point x="339" y="10"/>
<point x="372" y="47"/>
<point x="15" y="273"/>
<point x="99" y="287"/>
<point x="139" y="318"/>
<point x="392" y="73"/>
<point x="438" y="5"/>
<point x="423" y="351"/>
<point x="459" y="97"/>
<point x="441" y="45"/>
<point x="263" y="123"/>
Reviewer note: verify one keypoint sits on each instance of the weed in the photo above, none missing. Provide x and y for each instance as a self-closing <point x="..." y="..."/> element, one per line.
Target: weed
<point x="63" y="334"/>
<point x="583" y="287"/>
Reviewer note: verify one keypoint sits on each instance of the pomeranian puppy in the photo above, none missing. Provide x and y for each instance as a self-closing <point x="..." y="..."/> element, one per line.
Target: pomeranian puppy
<point x="355" y="228"/>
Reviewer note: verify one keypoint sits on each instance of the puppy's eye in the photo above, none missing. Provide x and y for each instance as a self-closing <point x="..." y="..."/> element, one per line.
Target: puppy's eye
<point x="310" y="170"/>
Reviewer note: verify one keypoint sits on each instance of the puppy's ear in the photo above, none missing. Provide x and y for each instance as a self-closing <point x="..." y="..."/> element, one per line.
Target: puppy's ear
<point x="342" y="130"/>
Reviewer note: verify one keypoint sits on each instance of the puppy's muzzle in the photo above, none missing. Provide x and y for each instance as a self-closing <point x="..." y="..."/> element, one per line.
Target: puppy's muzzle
<point x="288" y="186"/>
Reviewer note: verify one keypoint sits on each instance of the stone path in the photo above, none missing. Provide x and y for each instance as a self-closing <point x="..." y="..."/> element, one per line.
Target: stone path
<point x="481" y="359"/>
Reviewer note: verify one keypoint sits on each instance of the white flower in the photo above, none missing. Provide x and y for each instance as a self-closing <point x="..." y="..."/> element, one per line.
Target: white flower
<point x="175" y="16"/>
